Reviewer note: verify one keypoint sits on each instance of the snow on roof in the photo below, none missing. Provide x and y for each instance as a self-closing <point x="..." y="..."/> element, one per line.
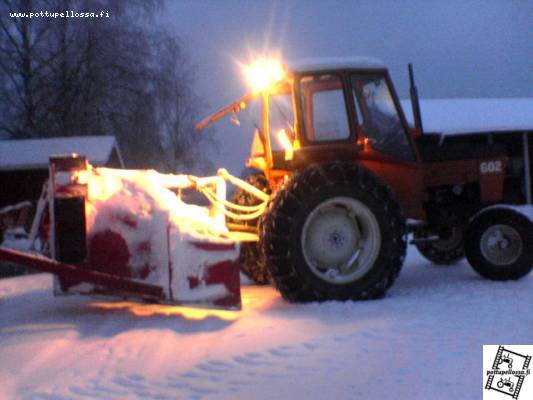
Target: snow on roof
<point x="317" y="64"/>
<point x="463" y="116"/>
<point x="34" y="153"/>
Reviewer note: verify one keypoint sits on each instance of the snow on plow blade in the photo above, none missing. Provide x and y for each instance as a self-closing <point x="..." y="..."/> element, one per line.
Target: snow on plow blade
<point x="127" y="233"/>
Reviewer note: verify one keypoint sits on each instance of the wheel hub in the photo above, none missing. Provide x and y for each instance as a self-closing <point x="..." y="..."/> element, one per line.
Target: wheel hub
<point x="340" y="240"/>
<point x="501" y="245"/>
<point x="453" y="238"/>
<point x="336" y="239"/>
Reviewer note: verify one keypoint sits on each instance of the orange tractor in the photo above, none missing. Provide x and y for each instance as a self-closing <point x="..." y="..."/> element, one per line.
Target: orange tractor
<point x="348" y="179"/>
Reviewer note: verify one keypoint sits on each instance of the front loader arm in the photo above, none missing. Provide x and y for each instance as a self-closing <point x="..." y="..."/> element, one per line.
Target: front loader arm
<point x="233" y="107"/>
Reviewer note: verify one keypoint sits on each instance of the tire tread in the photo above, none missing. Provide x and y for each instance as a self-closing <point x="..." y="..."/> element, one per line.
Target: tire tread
<point x="278" y="224"/>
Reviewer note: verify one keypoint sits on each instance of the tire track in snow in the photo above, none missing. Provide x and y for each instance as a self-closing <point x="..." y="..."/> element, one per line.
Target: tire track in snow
<point x="237" y="376"/>
<point x="229" y="377"/>
<point x="134" y="386"/>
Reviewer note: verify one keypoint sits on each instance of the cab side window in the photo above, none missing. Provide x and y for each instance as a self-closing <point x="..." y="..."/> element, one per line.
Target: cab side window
<point x="324" y="108"/>
<point x="378" y="117"/>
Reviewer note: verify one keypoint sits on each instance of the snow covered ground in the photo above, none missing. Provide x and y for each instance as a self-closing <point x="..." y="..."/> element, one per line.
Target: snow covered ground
<point x="424" y="340"/>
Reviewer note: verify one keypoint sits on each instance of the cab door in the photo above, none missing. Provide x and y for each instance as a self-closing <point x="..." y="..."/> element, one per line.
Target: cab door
<point x="386" y="147"/>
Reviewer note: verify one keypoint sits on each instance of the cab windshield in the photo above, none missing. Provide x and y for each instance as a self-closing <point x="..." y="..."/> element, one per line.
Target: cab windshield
<point x="281" y="117"/>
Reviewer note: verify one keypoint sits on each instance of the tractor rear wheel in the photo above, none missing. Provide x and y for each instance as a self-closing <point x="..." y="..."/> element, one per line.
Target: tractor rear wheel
<point x="499" y="244"/>
<point x="252" y="264"/>
<point x="447" y="250"/>
<point x="334" y="231"/>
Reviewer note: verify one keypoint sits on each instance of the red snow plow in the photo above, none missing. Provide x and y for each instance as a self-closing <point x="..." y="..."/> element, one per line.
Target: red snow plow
<point x="128" y="233"/>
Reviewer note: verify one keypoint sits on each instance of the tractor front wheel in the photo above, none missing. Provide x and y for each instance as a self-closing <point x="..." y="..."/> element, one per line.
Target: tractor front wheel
<point x="499" y="244"/>
<point x="334" y="231"/>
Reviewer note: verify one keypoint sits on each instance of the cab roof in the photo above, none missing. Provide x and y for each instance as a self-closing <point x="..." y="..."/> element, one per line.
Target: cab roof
<point x="333" y="63"/>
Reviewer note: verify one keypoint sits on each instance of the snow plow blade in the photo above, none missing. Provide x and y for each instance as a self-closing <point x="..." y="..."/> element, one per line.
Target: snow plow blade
<point x="73" y="273"/>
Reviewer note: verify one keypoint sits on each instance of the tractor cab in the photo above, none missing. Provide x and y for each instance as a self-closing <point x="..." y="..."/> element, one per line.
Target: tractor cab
<point x="328" y="110"/>
<point x="327" y="105"/>
<point x="348" y="105"/>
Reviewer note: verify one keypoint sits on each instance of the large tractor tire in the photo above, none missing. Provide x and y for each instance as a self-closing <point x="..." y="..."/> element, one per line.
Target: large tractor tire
<point x="499" y="244"/>
<point x="252" y="263"/>
<point x="445" y="251"/>
<point x="334" y="231"/>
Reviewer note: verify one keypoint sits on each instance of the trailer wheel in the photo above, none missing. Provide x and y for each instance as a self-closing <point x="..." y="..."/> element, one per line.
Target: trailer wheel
<point x="252" y="263"/>
<point x="445" y="251"/>
<point x="334" y="231"/>
<point x="499" y="244"/>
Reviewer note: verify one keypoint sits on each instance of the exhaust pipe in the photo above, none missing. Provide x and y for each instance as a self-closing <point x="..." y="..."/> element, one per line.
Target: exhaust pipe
<point x="415" y="103"/>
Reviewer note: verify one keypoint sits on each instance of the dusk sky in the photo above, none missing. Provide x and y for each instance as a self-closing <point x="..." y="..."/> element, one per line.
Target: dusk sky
<point x="459" y="48"/>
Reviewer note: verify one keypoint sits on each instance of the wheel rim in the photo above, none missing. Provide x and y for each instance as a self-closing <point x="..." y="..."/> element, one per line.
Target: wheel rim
<point x="340" y="240"/>
<point x="501" y="245"/>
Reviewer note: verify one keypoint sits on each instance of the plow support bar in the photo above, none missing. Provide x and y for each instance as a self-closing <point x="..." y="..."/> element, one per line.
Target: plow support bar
<point x="81" y="274"/>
